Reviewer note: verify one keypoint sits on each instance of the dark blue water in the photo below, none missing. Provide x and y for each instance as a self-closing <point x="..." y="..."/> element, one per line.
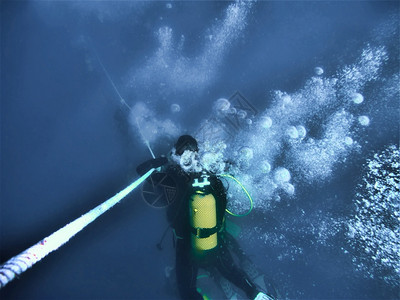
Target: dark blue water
<point x="67" y="143"/>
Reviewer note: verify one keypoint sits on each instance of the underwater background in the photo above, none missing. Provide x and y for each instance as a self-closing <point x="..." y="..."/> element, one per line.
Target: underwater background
<point x="302" y="97"/>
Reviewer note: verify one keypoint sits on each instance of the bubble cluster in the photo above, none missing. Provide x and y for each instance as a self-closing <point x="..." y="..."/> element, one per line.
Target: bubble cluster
<point x="315" y="159"/>
<point x="286" y="100"/>
<point x="189" y="161"/>
<point x="212" y="162"/>
<point x="375" y="227"/>
<point x="149" y="126"/>
<point x="170" y="70"/>
<point x="365" y="69"/>
<point x="317" y="227"/>
<point x="285" y="131"/>
<point x="212" y="156"/>
<point x="223" y="108"/>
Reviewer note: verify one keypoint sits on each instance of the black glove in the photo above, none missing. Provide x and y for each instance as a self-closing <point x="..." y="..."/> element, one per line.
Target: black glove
<point x="150" y="164"/>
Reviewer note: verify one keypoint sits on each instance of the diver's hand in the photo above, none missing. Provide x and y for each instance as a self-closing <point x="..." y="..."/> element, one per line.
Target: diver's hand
<point x="159" y="162"/>
<point x="155" y="163"/>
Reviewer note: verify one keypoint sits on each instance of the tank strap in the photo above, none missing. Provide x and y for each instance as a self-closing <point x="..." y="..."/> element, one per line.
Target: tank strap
<point x="202" y="233"/>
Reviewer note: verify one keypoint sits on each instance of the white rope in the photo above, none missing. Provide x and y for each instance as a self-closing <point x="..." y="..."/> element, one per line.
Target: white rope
<point x="111" y="81"/>
<point x="122" y="100"/>
<point x="20" y="263"/>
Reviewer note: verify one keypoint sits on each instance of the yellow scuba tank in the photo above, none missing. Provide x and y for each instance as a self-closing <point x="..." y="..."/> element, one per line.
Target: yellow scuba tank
<point x="203" y="216"/>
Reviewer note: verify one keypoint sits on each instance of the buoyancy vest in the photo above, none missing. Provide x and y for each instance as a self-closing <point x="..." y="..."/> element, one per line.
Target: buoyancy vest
<point x="203" y="215"/>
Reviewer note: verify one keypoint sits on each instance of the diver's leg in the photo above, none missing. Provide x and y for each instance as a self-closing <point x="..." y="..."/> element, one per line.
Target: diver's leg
<point x="232" y="244"/>
<point x="228" y="269"/>
<point x="248" y="267"/>
<point x="186" y="272"/>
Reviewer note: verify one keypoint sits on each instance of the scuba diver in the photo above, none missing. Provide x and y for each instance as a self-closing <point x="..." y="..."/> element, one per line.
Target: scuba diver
<point x="197" y="217"/>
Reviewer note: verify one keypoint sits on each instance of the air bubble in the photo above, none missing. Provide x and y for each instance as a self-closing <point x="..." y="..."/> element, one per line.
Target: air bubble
<point x="301" y="130"/>
<point x="348" y="140"/>
<point x="175" y="108"/>
<point x="292" y="132"/>
<point x="265" y="167"/>
<point x="266" y="122"/>
<point x="246" y="153"/>
<point x="209" y="160"/>
<point x="364" y="120"/>
<point x="282" y="175"/>
<point x="288" y="188"/>
<point x="222" y="105"/>
<point x="241" y="114"/>
<point x="232" y="111"/>
<point x="357" y="98"/>
<point x="318" y="71"/>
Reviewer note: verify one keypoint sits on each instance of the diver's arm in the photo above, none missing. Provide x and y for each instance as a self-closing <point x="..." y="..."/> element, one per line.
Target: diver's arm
<point x="150" y="164"/>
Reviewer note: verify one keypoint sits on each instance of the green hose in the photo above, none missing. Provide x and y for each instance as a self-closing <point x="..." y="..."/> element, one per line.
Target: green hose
<point x="247" y="193"/>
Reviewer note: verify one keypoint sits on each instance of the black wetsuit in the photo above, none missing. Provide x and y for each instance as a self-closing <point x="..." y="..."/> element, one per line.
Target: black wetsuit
<point x="187" y="263"/>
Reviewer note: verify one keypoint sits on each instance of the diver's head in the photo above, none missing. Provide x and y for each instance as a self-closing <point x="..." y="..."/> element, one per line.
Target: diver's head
<point x="186" y="142"/>
<point x="186" y="154"/>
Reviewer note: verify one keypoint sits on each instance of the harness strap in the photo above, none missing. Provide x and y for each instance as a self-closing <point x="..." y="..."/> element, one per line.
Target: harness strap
<point x="202" y="233"/>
